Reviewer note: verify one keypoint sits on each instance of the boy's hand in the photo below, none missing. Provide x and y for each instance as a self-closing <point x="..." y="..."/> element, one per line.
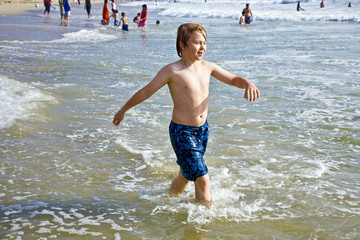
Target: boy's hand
<point x="252" y="93"/>
<point x="119" y="116"/>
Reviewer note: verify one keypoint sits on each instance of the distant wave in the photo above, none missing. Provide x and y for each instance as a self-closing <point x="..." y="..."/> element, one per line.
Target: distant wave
<point x="270" y="11"/>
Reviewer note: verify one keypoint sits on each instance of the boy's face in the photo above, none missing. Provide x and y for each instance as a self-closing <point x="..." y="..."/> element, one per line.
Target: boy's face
<point x="196" y="46"/>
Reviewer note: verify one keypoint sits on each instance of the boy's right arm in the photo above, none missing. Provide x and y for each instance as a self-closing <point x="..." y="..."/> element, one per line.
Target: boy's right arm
<point x="158" y="82"/>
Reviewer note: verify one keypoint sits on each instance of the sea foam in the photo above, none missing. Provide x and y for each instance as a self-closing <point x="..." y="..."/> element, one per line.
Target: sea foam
<point x="18" y="99"/>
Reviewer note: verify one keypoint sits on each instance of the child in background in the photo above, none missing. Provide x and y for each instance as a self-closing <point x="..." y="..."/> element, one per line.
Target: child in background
<point x="124" y="21"/>
<point x="188" y="80"/>
<point x="143" y="16"/>
<point x="136" y="18"/>
<point x="242" y="18"/>
<point x="115" y="15"/>
<point x="113" y="6"/>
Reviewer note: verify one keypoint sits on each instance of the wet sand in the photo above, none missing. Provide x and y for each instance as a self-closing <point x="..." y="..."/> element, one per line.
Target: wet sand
<point x="8" y="7"/>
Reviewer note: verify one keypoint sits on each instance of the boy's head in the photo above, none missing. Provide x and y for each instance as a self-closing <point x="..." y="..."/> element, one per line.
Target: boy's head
<point x="123" y="14"/>
<point x="184" y="34"/>
<point x="116" y="11"/>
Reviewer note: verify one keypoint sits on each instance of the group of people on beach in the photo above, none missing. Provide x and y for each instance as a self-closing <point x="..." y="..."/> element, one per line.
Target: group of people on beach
<point x="140" y="19"/>
<point x="65" y="9"/>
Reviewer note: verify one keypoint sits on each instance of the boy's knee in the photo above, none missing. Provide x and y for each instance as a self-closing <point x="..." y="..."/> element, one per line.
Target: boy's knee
<point x="203" y="180"/>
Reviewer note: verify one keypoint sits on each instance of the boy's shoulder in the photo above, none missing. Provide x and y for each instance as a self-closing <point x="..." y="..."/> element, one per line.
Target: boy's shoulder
<point x="177" y="68"/>
<point x="178" y="65"/>
<point x="173" y="67"/>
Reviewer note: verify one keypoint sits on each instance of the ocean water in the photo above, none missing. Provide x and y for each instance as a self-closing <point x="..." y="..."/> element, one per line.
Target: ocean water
<point x="284" y="167"/>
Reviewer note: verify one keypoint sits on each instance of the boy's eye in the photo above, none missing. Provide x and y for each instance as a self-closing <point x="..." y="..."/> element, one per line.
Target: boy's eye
<point x="199" y="42"/>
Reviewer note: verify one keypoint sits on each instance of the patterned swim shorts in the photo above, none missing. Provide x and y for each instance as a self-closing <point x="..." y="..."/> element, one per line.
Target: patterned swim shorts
<point x="189" y="144"/>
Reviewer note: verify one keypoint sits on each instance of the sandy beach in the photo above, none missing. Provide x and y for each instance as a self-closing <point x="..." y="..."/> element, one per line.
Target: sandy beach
<point x="8" y="7"/>
<point x="17" y="6"/>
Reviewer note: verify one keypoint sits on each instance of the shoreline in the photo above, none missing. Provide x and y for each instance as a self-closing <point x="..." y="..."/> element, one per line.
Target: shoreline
<point x="12" y="7"/>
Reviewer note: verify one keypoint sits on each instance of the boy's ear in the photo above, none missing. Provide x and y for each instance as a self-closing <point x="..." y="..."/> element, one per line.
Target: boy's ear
<point x="182" y="46"/>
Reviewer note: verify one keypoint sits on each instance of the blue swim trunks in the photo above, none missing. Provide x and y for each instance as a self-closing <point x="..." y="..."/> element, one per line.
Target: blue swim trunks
<point x="189" y="144"/>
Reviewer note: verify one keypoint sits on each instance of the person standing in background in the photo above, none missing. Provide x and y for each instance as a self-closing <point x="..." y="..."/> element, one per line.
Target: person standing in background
<point x="61" y="6"/>
<point x="88" y="8"/>
<point x="143" y="16"/>
<point x="298" y="7"/>
<point x="113" y="6"/>
<point x="67" y="9"/>
<point x="322" y="5"/>
<point x="105" y="14"/>
<point x="47" y="4"/>
<point x="248" y="14"/>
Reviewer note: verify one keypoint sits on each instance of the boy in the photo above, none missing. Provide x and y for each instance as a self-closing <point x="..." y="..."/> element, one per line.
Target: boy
<point x="115" y="15"/>
<point x="124" y="20"/>
<point x="188" y="80"/>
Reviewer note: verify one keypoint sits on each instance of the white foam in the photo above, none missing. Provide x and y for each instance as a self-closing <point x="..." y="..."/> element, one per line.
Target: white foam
<point x="264" y="10"/>
<point x="82" y="231"/>
<point x="146" y="154"/>
<point x="86" y="36"/>
<point x="18" y="100"/>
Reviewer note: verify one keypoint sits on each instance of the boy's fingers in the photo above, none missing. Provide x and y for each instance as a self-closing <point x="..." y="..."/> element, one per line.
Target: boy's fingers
<point x="116" y="122"/>
<point x="252" y="95"/>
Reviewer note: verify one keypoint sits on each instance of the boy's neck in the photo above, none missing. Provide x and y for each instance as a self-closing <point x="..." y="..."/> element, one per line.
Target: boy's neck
<point x="188" y="62"/>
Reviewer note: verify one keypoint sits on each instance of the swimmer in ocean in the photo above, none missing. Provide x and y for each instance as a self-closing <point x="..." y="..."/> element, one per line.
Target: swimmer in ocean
<point x="248" y="14"/>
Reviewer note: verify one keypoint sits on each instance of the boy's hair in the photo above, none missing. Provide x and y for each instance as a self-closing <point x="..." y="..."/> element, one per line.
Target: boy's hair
<point x="184" y="33"/>
<point x="123" y="14"/>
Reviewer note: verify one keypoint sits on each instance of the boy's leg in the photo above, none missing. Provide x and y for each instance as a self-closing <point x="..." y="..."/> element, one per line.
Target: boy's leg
<point x="202" y="189"/>
<point x="179" y="184"/>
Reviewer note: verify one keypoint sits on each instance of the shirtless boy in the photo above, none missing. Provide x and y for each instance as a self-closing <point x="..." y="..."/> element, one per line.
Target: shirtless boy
<point x="188" y="80"/>
<point x="248" y="14"/>
<point x="124" y="20"/>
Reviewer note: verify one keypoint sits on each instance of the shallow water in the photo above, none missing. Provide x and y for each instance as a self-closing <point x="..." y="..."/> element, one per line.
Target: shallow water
<point x="285" y="167"/>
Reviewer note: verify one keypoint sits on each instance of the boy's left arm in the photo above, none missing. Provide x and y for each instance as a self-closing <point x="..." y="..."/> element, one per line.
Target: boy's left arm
<point x="252" y="93"/>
